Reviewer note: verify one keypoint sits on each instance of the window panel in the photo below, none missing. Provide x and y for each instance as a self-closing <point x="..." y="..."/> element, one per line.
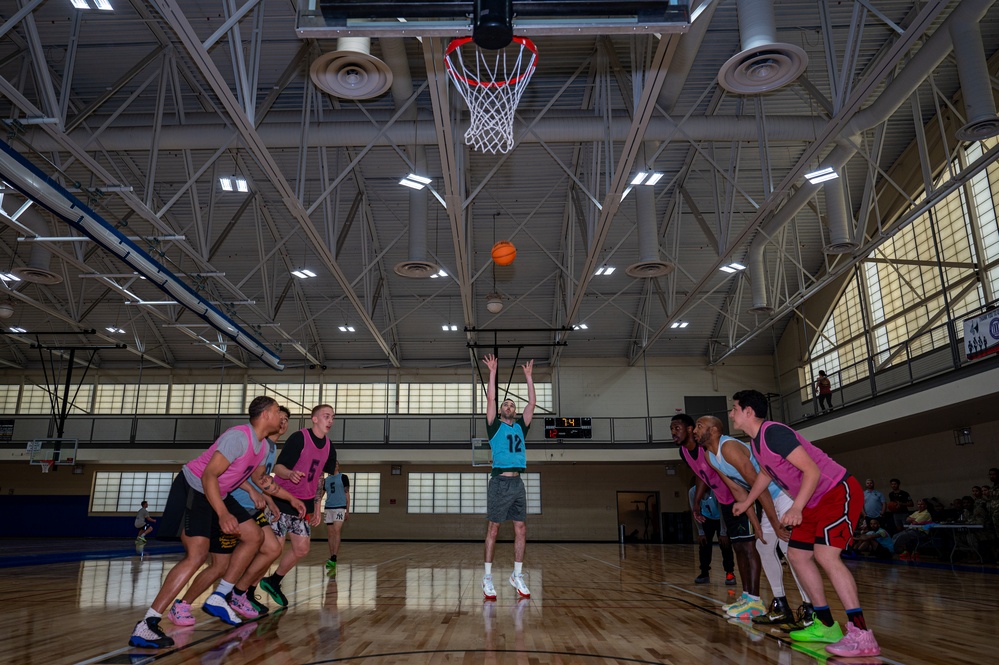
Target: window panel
<point x="464" y="493"/>
<point x="365" y="492"/>
<point x="124" y="491"/>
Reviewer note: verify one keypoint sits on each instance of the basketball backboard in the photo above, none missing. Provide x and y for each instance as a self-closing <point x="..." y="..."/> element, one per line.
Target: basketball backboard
<point x="47" y="453"/>
<point x="318" y="19"/>
<point x="482" y="454"/>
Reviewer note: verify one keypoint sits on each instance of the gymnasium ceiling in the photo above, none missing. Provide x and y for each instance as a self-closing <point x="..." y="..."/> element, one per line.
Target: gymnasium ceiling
<point x="138" y="111"/>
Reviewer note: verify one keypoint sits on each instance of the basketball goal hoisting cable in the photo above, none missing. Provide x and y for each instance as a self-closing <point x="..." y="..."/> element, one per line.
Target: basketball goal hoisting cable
<point x="491" y="69"/>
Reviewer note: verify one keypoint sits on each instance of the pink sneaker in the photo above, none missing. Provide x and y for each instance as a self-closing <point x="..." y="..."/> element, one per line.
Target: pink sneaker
<point x="242" y="606"/>
<point x="856" y="642"/>
<point x="180" y="614"/>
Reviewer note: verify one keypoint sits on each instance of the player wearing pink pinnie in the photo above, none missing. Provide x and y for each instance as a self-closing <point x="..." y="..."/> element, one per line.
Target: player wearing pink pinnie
<point x="828" y="503"/>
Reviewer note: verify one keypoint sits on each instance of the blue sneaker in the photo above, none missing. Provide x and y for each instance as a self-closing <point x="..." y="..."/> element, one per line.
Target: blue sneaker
<point x="217" y="606"/>
<point x="147" y="633"/>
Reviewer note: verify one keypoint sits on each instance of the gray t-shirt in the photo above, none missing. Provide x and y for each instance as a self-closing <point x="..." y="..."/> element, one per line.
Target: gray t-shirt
<point x="232" y="444"/>
<point x="140" y="517"/>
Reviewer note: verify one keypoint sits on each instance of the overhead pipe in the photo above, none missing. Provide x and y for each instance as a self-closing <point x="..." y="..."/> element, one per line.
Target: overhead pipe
<point x="37" y="269"/>
<point x="649" y="264"/>
<point x="921" y="65"/>
<point x="46" y="192"/>
<point x="686" y="52"/>
<point x="416" y="265"/>
<point x="764" y="64"/>
<point x="284" y="131"/>
<point x="976" y="84"/>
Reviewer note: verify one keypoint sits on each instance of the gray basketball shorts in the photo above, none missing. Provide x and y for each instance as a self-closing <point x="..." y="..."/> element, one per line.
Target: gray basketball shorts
<point x="506" y="499"/>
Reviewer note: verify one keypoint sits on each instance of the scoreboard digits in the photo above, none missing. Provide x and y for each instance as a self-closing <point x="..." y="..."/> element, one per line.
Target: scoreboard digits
<point x="568" y="428"/>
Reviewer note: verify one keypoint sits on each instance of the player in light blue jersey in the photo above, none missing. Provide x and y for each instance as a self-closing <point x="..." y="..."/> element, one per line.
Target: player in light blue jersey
<point x="506" y="498"/>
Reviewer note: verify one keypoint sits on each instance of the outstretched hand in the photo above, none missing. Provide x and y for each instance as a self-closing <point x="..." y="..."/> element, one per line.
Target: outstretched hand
<point x="528" y="368"/>
<point x="491" y="362"/>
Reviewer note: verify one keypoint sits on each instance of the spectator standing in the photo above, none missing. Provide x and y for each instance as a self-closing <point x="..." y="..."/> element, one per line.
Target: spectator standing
<point x="874" y="501"/>
<point x="899" y="505"/>
<point x="706" y="531"/>
<point x="823" y="387"/>
<point x="994" y="498"/>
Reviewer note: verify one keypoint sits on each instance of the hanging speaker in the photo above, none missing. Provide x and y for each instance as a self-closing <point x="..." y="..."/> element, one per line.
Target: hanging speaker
<point x="351" y="72"/>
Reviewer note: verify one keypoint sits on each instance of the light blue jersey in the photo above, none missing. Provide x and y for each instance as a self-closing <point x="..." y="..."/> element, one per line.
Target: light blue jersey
<point x="241" y="495"/>
<point x="726" y="469"/>
<point x="336" y="485"/>
<point x="508" y="445"/>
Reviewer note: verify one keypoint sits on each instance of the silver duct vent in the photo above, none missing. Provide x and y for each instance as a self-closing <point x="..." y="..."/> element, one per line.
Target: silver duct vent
<point x="764" y="64"/>
<point x="351" y="72"/>
<point x="37" y="271"/>
<point x="976" y="86"/>
<point x="839" y="219"/>
<point x="416" y="269"/>
<point x="649" y="264"/>
<point x="416" y="265"/>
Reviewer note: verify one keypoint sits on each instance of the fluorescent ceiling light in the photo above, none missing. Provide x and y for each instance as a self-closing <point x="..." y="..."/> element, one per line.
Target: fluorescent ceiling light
<point x="414" y="181"/>
<point x="80" y="4"/>
<point x="103" y="5"/>
<point x="449" y="327"/>
<point x="580" y="326"/>
<point x="234" y="183"/>
<point x="16" y="329"/>
<point x="605" y="270"/>
<point x="242" y="186"/>
<point x="346" y="328"/>
<point x="439" y="273"/>
<point x="646" y="178"/>
<point x="732" y="267"/>
<point x="815" y="177"/>
<point x="727" y="269"/>
<point x="226" y="184"/>
<point x="9" y="277"/>
<point x="115" y="329"/>
<point x="303" y="273"/>
<point x="679" y="324"/>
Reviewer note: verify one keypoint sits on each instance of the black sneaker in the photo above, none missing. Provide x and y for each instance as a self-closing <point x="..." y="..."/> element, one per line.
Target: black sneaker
<point x="780" y="613"/>
<point x="803" y="618"/>
<point x="147" y="633"/>
<point x="702" y="579"/>
<point x="273" y="590"/>
<point x="257" y="605"/>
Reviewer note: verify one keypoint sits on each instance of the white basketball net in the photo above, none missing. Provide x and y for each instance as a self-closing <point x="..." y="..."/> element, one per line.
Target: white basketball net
<point x="491" y="83"/>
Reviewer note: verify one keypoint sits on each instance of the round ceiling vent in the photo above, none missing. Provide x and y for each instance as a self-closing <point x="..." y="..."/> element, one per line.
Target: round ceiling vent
<point x="766" y="310"/>
<point x="644" y="269"/>
<point x="37" y="275"/>
<point x="977" y="130"/>
<point x="840" y="247"/>
<point x="416" y="269"/>
<point x="762" y="68"/>
<point x="351" y="74"/>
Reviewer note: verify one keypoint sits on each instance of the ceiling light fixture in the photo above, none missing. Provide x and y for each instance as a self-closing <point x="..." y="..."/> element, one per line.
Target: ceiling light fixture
<point x="815" y="177"/>
<point x="115" y="330"/>
<point x="17" y="329"/>
<point x="580" y="326"/>
<point x="679" y="324"/>
<point x="605" y="270"/>
<point x="80" y="4"/>
<point x="9" y="277"/>
<point x="647" y="178"/>
<point x="494" y="303"/>
<point x="414" y="181"/>
<point x="303" y="273"/>
<point x="103" y="5"/>
<point x="449" y="327"/>
<point x="234" y="183"/>
<point x="346" y="328"/>
<point x="732" y="267"/>
<point x="439" y="273"/>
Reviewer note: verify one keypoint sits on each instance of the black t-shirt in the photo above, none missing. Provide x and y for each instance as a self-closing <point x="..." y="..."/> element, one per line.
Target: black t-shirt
<point x="903" y="498"/>
<point x="288" y="457"/>
<point x="780" y="439"/>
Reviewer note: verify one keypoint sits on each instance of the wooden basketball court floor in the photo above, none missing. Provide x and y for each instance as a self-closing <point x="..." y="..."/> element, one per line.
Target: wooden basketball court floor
<point x="422" y="603"/>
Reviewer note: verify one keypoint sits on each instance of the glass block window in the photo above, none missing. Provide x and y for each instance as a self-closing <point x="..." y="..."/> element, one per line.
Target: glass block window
<point x="8" y="399"/>
<point x="299" y="398"/>
<point x="36" y="399"/>
<point x="463" y="493"/>
<point x="124" y="491"/>
<point x="208" y="398"/>
<point x="145" y="398"/>
<point x="365" y="492"/>
<point x="360" y="398"/>
<point x="435" y="398"/>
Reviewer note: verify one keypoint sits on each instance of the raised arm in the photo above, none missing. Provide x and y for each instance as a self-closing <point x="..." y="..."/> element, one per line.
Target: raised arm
<point x="532" y="398"/>
<point x="492" y="364"/>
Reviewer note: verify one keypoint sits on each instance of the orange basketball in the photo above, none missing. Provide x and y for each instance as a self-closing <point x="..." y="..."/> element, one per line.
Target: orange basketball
<point x="504" y="253"/>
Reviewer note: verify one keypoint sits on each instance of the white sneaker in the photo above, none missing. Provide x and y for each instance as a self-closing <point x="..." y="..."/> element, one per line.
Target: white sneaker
<point x="217" y="606"/>
<point x="741" y="600"/>
<point x="517" y="582"/>
<point x="488" y="590"/>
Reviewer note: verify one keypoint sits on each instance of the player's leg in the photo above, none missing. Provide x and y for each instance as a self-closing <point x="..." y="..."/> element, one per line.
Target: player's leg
<point x="517" y="512"/>
<point x="779" y="611"/>
<point x="704" y="546"/>
<point x="495" y="514"/>
<point x="333" y="530"/>
<point x="270" y="550"/>
<point x="300" y="535"/>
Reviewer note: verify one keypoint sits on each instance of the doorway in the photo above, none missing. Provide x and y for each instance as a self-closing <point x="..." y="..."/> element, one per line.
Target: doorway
<point x="639" y="513"/>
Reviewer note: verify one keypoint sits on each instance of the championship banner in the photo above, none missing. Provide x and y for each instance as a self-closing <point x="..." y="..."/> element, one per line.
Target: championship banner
<point x="981" y="335"/>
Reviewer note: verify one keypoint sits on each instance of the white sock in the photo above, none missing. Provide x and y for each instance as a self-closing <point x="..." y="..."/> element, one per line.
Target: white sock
<point x="224" y="587"/>
<point x="152" y="614"/>
<point x="489" y="569"/>
<point x="518" y="567"/>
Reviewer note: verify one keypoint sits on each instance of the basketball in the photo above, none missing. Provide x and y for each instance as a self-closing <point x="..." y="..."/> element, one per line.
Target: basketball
<point x="504" y="253"/>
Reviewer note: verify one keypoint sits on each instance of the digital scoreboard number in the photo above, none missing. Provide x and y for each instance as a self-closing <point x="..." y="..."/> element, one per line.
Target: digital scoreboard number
<point x="568" y="428"/>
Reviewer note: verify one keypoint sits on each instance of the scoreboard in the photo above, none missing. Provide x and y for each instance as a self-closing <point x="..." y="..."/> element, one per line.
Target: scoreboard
<point x="568" y="428"/>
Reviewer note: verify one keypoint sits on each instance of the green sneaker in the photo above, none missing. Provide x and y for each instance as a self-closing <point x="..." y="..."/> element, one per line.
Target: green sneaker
<point x="818" y="632"/>
<point x="331" y="568"/>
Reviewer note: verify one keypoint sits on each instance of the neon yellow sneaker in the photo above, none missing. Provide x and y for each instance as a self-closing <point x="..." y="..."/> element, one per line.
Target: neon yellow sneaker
<point x="818" y="632"/>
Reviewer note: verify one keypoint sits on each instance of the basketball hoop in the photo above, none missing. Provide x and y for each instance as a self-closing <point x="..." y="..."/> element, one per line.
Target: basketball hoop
<point x="491" y="84"/>
<point x="46" y="465"/>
